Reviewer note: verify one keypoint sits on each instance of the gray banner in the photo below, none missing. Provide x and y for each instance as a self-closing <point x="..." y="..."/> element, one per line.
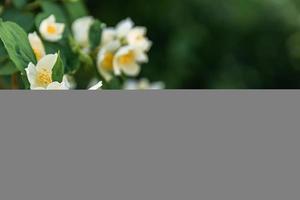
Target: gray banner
<point x="177" y="145"/>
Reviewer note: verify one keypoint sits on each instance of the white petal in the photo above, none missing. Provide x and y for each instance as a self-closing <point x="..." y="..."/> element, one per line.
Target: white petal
<point x="109" y="48"/>
<point x="136" y="37"/>
<point x="100" y="55"/>
<point x="43" y="28"/>
<point x="37" y="45"/>
<point x="57" y="86"/>
<point x="80" y="28"/>
<point x="112" y="46"/>
<point x="116" y="66"/>
<point x="51" y="19"/>
<point x="141" y="57"/>
<point x="31" y="73"/>
<point x="35" y="40"/>
<point x="108" y="35"/>
<point x="140" y="30"/>
<point x="37" y="88"/>
<point x="66" y="81"/>
<point x="124" y="50"/>
<point x="131" y="70"/>
<point x="97" y="86"/>
<point x="106" y="75"/>
<point x="135" y="33"/>
<point x="124" y="27"/>
<point x="145" y="45"/>
<point x="52" y="38"/>
<point x="117" y="70"/>
<point x="60" y="28"/>
<point x="47" y="62"/>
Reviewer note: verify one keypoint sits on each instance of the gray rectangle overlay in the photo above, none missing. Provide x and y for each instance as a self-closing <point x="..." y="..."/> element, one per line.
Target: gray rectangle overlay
<point x="177" y="145"/>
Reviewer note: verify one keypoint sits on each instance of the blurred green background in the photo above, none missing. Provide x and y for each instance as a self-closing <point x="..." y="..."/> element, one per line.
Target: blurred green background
<point x="220" y="44"/>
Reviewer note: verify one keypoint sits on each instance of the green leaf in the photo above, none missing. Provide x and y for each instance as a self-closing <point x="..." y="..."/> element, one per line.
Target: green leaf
<point x="8" y="68"/>
<point x="17" y="45"/>
<point x="95" y="34"/>
<point x="51" y="8"/>
<point x="58" y="70"/>
<point x="69" y="58"/>
<point x="3" y="54"/>
<point x="23" y="19"/>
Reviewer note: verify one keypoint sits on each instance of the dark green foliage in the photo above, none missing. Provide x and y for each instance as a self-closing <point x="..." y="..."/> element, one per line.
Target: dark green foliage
<point x="196" y="43"/>
<point x="95" y="34"/>
<point x="16" y="44"/>
<point x="215" y="43"/>
<point x="58" y="70"/>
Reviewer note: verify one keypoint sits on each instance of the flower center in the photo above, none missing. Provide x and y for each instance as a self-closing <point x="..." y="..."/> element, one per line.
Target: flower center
<point x="127" y="59"/>
<point x="44" y="77"/>
<point x="107" y="61"/>
<point x="51" y="29"/>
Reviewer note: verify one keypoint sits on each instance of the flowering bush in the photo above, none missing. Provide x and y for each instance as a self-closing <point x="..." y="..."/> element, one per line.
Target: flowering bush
<point x="55" y="44"/>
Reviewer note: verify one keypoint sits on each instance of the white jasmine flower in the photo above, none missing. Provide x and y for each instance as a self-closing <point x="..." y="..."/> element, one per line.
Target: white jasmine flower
<point x="143" y="84"/>
<point x="37" y="45"/>
<point x="51" y="30"/>
<point x="127" y="60"/>
<point x="81" y="28"/>
<point x="127" y="56"/>
<point x="40" y="76"/>
<point x="137" y="37"/>
<point x="105" y="59"/>
<point x="124" y="27"/>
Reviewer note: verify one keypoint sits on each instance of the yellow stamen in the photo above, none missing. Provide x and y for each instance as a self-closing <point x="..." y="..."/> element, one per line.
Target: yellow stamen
<point x="107" y="62"/>
<point x="51" y="29"/>
<point x="44" y="77"/>
<point x="127" y="58"/>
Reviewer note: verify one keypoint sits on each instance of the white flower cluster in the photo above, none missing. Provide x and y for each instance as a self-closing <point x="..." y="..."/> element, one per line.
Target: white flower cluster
<point x="40" y="75"/>
<point x="122" y="51"/>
